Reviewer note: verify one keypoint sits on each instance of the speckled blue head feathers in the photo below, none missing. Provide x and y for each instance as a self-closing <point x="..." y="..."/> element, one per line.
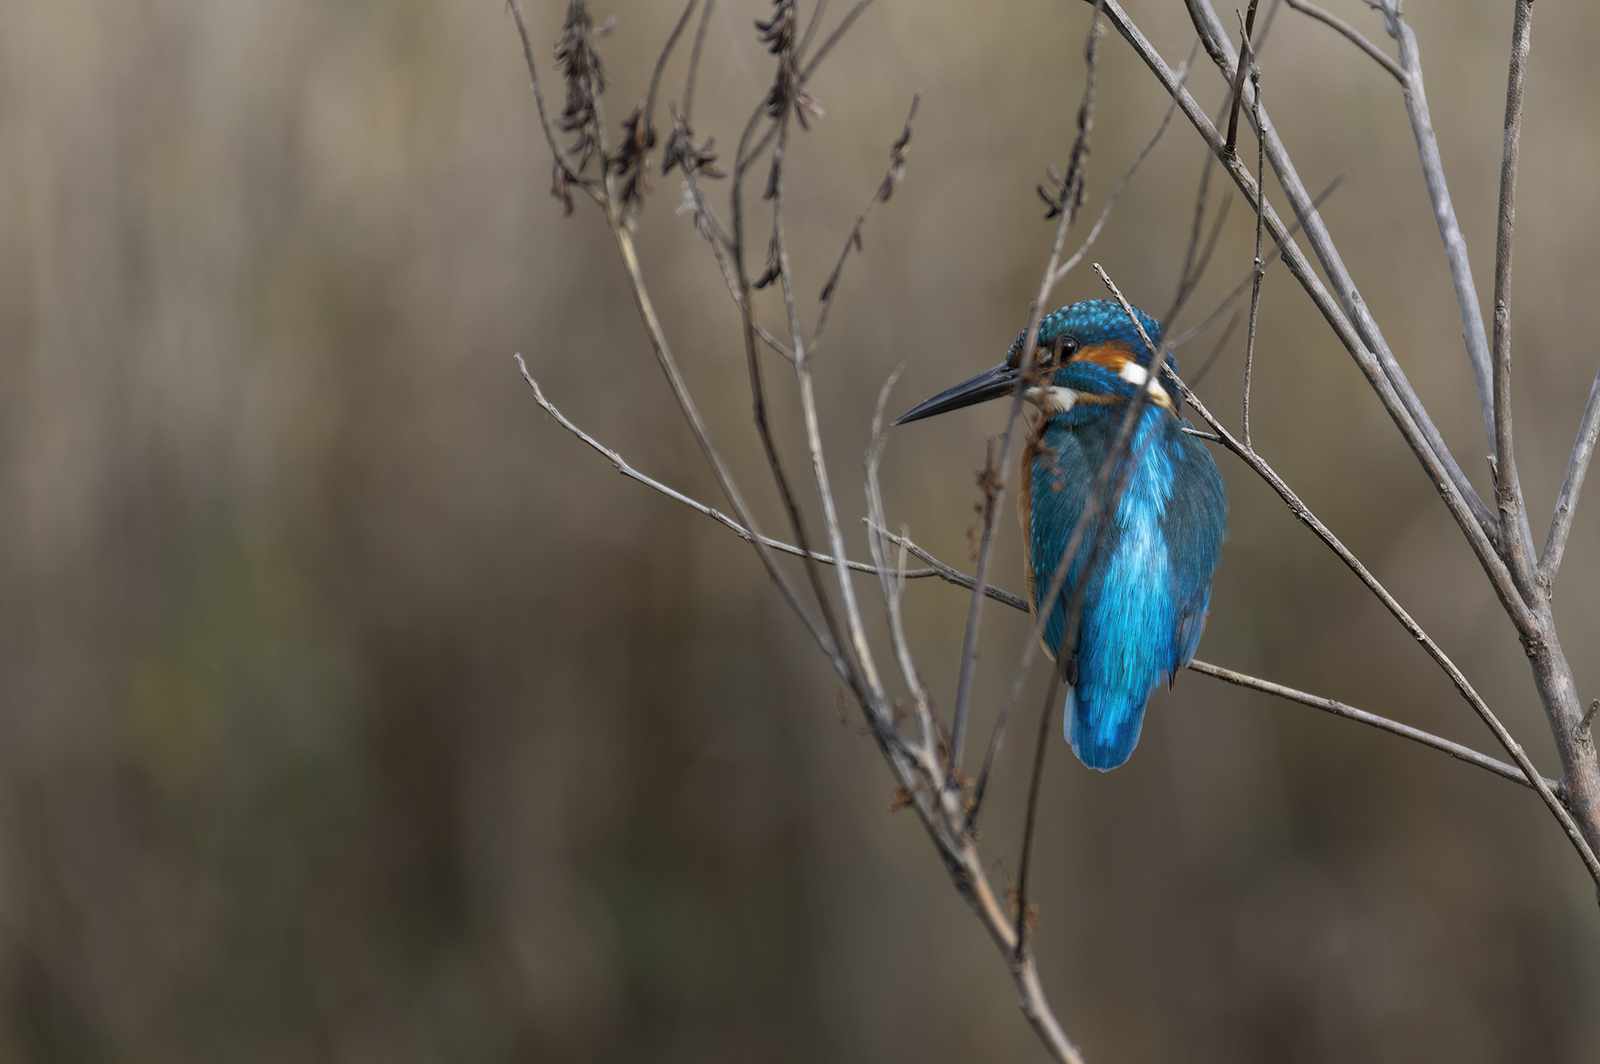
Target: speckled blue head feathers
<point x="1093" y="321"/>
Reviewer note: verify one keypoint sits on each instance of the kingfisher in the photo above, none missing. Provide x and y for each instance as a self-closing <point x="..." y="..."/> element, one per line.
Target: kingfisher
<point x="1148" y="584"/>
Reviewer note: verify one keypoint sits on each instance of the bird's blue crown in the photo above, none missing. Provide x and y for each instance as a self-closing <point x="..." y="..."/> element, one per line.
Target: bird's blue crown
<point x="1091" y="322"/>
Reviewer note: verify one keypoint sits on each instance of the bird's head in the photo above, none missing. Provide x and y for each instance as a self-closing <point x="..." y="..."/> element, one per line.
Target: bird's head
<point x="1088" y="353"/>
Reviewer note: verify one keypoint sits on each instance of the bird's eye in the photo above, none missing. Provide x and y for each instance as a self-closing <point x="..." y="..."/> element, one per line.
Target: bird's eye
<point x="1069" y="346"/>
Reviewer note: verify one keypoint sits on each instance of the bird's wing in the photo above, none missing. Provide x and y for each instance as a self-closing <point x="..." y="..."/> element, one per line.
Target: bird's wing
<point x="1195" y="523"/>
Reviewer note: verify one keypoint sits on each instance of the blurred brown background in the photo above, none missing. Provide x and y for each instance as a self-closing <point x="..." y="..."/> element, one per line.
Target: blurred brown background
<point x="354" y="711"/>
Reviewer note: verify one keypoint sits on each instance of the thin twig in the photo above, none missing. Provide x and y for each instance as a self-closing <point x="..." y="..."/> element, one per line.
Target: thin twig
<point x="1555" y="543"/>
<point x="833" y="38"/>
<point x="1350" y="317"/>
<point x="571" y="175"/>
<point x="1216" y="352"/>
<point x="1339" y="709"/>
<point x="694" y="61"/>
<point x="891" y="180"/>
<point x="1444" y="212"/>
<point x="1303" y="514"/>
<point x="1247" y="60"/>
<point x="892" y="582"/>
<point x="1249" y="278"/>
<point x="1070" y="198"/>
<point x="1518" y="539"/>
<point x="1259" y="269"/>
<point x="854" y="624"/>
<point x="1352" y="35"/>
<point x="1031" y="816"/>
<point x="1122" y="183"/>
<point x="661" y="62"/>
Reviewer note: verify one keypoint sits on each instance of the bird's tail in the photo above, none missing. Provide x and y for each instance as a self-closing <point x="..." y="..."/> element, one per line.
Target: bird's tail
<point x="1103" y="726"/>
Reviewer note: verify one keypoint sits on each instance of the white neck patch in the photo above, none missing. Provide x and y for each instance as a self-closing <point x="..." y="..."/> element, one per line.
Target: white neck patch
<point x="1136" y="375"/>
<point x="1052" y="399"/>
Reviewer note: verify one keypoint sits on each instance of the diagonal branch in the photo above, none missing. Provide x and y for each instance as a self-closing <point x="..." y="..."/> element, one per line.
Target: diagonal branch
<point x="1303" y="514"/>
<point x="891" y="180"/>
<point x="1561" y="523"/>
<point x="1351" y="34"/>
<point x="1370" y="348"/>
<point x="1339" y="709"/>
<point x="1476" y="522"/>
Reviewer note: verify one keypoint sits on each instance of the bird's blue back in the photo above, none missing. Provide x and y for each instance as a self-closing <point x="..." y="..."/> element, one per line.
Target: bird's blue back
<point x="1150" y="584"/>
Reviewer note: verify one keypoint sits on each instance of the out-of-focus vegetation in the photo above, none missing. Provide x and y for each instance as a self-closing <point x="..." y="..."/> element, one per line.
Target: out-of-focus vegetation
<point x="350" y="710"/>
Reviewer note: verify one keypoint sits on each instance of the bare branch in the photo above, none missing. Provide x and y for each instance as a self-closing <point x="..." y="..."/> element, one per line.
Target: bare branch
<point x="854" y="625"/>
<point x="1249" y="278"/>
<point x="891" y="180"/>
<point x="1517" y="537"/>
<point x="1328" y="705"/>
<point x="1258" y="269"/>
<point x="661" y="61"/>
<point x="1555" y="543"/>
<point x="1386" y="379"/>
<point x="1122" y="183"/>
<point x="1246" y="62"/>
<point x="1355" y="325"/>
<point x="1303" y="514"/>
<point x="892" y="575"/>
<point x="1071" y="197"/>
<point x="694" y="61"/>
<point x="1352" y="35"/>
<point x="833" y="38"/>
<point x="892" y="582"/>
<point x="1444" y="213"/>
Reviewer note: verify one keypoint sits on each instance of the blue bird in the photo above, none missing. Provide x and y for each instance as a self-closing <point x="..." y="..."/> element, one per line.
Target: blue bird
<point x="1150" y="581"/>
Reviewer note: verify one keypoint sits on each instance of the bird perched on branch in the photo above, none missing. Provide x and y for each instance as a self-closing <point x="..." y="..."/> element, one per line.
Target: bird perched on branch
<point x="1144" y="577"/>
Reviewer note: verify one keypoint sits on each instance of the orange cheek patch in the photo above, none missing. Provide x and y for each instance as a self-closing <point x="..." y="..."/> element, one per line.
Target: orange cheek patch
<point x="1112" y="356"/>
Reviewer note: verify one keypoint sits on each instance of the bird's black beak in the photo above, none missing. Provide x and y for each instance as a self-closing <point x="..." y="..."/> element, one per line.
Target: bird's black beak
<point x="990" y="384"/>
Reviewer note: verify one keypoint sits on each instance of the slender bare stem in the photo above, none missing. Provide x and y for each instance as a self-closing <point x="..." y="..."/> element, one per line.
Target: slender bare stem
<point x="995" y="482"/>
<point x="1023" y="916"/>
<point x="1258" y="270"/>
<point x="558" y="153"/>
<point x="1122" y="183"/>
<point x="1444" y="212"/>
<point x="1328" y="705"/>
<point x="1246" y="62"/>
<point x="1351" y="34"/>
<point x="1508" y="487"/>
<point x="1351" y="320"/>
<point x="1249" y="278"/>
<point x="661" y="61"/>
<point x="1303" y="514"/>
<point x="892" y="580"/>
<point x="833" y="38"/>
<point x="1578" y="465"/>
<point x="694" y="60"/>
<point x="891" y="180"/>
<point x="854" y="624"/>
